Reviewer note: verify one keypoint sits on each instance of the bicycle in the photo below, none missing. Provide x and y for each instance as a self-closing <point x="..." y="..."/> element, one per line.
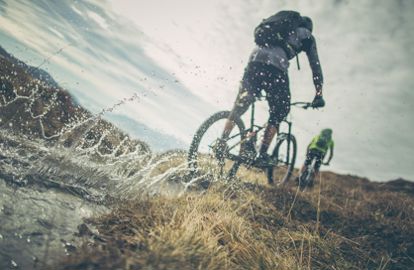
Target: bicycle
<point x="307" y="178"/>
<point x="241" y="148"/>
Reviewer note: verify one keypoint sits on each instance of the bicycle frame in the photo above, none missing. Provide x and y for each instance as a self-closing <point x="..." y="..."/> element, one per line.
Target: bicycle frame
<point x="289" y="124"/>
<point x="241" y="146"/>
<point x="253" y="126"/>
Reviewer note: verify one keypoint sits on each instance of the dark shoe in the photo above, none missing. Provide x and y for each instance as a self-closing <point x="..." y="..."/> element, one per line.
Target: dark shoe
<point x="264" y="160"/>
<point x="318" y="102"/>
<point x="248" y="151"/>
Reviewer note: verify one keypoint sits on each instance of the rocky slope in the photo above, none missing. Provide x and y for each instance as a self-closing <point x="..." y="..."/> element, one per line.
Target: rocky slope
<point x="34" y="105"/>
<point x="59" y="164"/>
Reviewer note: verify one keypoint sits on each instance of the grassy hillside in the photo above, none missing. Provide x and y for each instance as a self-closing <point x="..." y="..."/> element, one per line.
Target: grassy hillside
<point x="34" y="105"/>
<point x="345" y="222"/>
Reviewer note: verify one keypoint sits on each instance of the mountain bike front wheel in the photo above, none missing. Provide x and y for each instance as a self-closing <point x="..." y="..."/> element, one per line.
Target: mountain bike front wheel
<point x="306" y="179"/>
<point x="285" y="155"/>
<point x="201" y="157"/>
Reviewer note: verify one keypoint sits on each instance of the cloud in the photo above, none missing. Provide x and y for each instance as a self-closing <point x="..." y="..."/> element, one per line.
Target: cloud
<point x="185" y="59"/>
<point x="365" y="54"/>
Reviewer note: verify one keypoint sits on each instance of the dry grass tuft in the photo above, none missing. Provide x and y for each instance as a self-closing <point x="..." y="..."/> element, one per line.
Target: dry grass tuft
<point x="345" y="223"/>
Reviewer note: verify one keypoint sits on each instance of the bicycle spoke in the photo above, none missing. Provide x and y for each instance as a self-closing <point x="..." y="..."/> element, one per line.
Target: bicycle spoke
<point x="206" y="159"/>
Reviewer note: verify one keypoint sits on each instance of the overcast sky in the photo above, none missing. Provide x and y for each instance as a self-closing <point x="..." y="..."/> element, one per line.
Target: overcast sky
<point x="185" y="58"/>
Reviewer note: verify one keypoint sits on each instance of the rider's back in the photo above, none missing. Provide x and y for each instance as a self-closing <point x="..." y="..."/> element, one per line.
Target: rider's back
<point x="279" y="57"/>
<point x="287" y="46"/>
<point x="321" y="143"/>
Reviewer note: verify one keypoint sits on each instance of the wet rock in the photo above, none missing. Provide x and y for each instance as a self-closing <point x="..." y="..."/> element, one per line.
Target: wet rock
<point x="13" y="264"/>
<point x="45" y="223"/>
<point x="7" y="210"/>
<point x="35" y="223"/>
<point x="83" y="230"/>
<point x="69" y="247"/>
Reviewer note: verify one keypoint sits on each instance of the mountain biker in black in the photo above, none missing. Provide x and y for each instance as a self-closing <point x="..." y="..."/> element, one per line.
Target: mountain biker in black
<point x="267" y="70"/>
<point x="317" y="149"/>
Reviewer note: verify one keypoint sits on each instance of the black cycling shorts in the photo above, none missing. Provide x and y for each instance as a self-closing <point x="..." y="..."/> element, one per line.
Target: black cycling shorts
<point x="314" y="154"/>
<point x="261" y="77"/>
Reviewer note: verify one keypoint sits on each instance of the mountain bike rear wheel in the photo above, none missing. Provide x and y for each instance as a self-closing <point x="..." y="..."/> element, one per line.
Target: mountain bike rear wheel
<point x="285" y="155"/>
<point x="201" y="158"/>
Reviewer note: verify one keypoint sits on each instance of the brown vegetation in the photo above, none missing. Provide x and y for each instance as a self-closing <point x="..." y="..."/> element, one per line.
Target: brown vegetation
<point x="345" y="222"/>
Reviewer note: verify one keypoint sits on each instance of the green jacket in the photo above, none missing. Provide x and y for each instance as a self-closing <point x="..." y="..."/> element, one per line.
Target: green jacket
<point x="313" y="145"/>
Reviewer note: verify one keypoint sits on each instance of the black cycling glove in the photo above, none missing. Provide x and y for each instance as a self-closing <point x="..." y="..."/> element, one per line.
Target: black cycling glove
<point x="318" y="102"/>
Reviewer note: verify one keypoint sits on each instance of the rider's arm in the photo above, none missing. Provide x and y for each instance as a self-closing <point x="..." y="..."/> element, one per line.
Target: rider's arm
<point x="331" y="152"/>
<point x="309" y="46"/>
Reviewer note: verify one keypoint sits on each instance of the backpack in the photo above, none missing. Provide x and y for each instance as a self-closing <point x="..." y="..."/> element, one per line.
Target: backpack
<point x="273" y="31"/>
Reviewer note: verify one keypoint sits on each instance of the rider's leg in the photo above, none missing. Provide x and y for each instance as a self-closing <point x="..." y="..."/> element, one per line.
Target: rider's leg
<point x="308" y="161"/>
<point x="302" y="169"/>
<point x="243" y="101"/>
<point x="269" y="133"/>
<point x="318" y="163"/>
<point x="278" y="98"/>
<point x="228" y="127"/>
<point x="249" y="87"/>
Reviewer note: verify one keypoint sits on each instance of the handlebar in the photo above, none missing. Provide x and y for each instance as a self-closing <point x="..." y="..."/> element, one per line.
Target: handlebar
<point x="301" y="104"/>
